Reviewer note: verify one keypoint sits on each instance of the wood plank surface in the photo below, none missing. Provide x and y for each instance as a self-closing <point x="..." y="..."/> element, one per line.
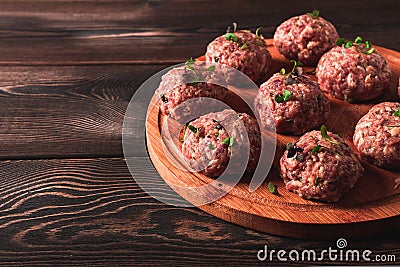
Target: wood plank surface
<point x="68" y="111"/>
<point x="166" y="32"/>
<point x="91" y="212"/>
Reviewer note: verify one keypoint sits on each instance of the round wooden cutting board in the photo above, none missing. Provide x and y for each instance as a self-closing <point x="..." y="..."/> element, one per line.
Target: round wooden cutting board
<point x="372" y="206"/>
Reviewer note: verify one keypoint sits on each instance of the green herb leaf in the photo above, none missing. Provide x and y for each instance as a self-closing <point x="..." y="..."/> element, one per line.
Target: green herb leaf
<point x="211" y="68"/>
<point x="325" y="135"/>
<point x="289" y="146"/>
<point x="164" y="98"/>
<point x="314" y="14"/>
<point x="189" y="63"/>
<point x="300" y="157"/>
<point x="316" y="149"/>
<point x="348" y="44"/>
<point x="210" y="146"/>
<point x="340" y="41"/>
<point x="243" y="46"/>
<point x="231" y="37"/>
<point x="296" y="63"/>
<point x="283" y="97"/>
<point x="282" y="71"/>
<point x="231" y="141"/>
<point x="367" y="44"/>
<point x="286" y="95"/>
<point x="272" y="188"/>
<point x="195" y="80"/>
<point x="257" y="31"/>
<point x="358" y="40"/>
<point x="397" y="113"/>
<point x="228" y="141"/>
<point x="193" y="129"/>
<point x="369" y="51"/>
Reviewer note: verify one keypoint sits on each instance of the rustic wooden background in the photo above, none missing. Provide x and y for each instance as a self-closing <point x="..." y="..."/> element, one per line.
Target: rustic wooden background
<point x="67" y="72"/>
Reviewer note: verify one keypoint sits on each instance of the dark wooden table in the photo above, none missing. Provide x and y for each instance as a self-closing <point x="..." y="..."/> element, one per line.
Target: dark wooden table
<point x="67" y="72"/>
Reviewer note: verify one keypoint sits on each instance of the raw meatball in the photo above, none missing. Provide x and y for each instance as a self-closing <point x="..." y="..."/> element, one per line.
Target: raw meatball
<point x="325" y="174"/>
<point x="306" y="109"/>
<point x="207" y="145"/>
<point x="377" y="135"/>
<point x="242" y="50"/>
<point x="177" y="86"/>
<point x="352" y="74"/>
<point x="305" y="38"/>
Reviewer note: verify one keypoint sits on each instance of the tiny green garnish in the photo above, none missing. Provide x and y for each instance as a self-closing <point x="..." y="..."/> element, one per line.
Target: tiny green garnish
<point x="210" y="146"/>
<point x="325" y="135"/>
<point x="300" y="157"/>
<point x="340" y="41"/>
<point x="397" y="112"/>
<point x="189" y="63"/>
<point x="272" y="188"/>
<point x="195" y="80"/>
<point x="283" y="97"/>
<point x="314" y="14"/>
<point x="231" y="37"/>
<point x="358" y="40"/>
<point x="348" y="44"/>
<point x="289" y="146"/>
<point x="282" y="71"/>
<point x="369" y="51"/>
<point x="211" y="68"/>
<point x="257" y="31"/>
<point x="193" y="129"/>
<point x="228" y="141"/>
<point x="243" y="46"/>
<point x="316" y="149"/>
<point x="296" y="64"/>
<point x="164" y="98"/>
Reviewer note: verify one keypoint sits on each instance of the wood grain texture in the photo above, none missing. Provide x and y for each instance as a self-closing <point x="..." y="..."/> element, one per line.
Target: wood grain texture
<point x="91" y="212"/>
<point x="166" y="32"/>
<point x="68" y="111"/>
<point x="371" y="206"/>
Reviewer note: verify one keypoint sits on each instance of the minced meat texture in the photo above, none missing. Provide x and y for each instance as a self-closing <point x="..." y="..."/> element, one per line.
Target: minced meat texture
<point x="317" y="169"/>
<point x="353" y="75"/>
<point x="306" y="109"/>
<point x="377" y="135"/>
<point x="305" y="38"/>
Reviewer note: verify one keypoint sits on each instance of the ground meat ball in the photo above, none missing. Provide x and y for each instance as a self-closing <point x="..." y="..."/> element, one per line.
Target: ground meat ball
<point x="176" y="87"/>
<point x="353" y="75"/>
<point x="326" y="174"/>
<point x="377" y="135"/>
<point x="305" y="38"/>
<point x="307" y="108"/>
<point x="204" y="147"/>
<point x="249" y="54"/>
